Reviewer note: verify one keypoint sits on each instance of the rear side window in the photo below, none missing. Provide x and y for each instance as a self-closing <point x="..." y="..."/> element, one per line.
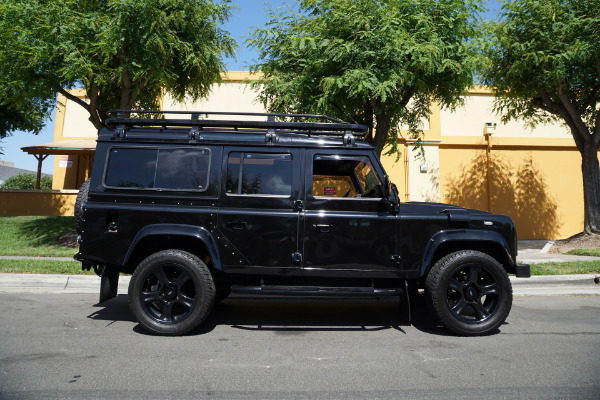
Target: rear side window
<point x="168" y="169"/>
<point x="259" y="174"/>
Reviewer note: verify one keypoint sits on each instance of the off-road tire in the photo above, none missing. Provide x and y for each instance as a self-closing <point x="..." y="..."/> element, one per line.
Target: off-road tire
<point x="171" y="292"/>
<point x="80" y="201"/>
<point x="469" y="291"/>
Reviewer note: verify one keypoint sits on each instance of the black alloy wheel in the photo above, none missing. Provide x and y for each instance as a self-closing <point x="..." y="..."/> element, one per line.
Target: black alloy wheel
<point x="171" y="292"/>
<point x="469" y="292"/>
<point x="472" y="294"/>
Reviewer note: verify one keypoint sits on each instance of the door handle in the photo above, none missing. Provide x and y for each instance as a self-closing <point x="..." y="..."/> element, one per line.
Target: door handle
<point x="237" y="225"/>
<point x="322" y="228"/>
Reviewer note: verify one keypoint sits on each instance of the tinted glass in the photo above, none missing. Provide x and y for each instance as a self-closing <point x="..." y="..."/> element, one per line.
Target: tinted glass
<point x="132" y="168"/>
<point x="336" y="176"/>
<point x="254" y="173"/>
<point x="182" y="169"/>
<point x="171" y="169"/>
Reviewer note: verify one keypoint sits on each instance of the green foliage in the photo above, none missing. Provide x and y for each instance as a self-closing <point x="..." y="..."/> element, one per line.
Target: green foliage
<point x="540" y="49"/>
<point x="26" y="181"/>
<point x="34" y="236"/>
<point x="376" y="62"/>
<point x="122" y="52"/>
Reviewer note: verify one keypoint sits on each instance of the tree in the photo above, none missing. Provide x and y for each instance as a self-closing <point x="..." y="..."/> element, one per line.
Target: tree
<point x="26" y="181"/>
<point x="544" y="65"/>
<point x="376" y="62"/>
<point x="122" y="52"/>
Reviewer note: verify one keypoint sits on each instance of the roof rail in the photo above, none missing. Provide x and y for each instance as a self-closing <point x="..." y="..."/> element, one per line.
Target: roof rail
<point x="333" y="127"/>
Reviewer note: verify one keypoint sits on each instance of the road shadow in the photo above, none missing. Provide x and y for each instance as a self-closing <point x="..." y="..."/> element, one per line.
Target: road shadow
<point x="289" y="315"/>
<point x="115" y="309"/>
<point x="284" y="315"/>
<point x="293" y="316"/>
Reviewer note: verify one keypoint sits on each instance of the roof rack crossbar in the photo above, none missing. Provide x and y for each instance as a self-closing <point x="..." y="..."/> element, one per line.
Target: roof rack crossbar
<point x="207" y="113"/>
<point x="315" y="127"/>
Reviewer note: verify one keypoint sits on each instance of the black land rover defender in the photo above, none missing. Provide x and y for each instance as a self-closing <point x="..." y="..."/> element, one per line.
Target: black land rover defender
<point x="197" y="208"/>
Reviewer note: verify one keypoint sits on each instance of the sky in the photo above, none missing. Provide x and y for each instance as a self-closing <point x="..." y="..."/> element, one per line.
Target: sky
<point x="247" y="15"/>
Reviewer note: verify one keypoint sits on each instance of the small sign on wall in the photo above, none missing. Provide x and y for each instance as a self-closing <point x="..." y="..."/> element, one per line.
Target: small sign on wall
<point x="65" y="162"/>
<point x="329" y="191"/>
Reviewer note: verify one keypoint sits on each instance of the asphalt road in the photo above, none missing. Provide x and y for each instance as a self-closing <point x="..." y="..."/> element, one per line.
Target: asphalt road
<point x="64" y="346"/>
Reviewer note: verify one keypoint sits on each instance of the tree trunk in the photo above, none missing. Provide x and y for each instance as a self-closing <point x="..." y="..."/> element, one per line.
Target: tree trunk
<point x="591" y="188"/>
<point x="382" y="130"/>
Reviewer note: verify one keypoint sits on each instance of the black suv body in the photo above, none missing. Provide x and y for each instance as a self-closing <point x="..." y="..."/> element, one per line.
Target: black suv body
<point x="196" y="208"/>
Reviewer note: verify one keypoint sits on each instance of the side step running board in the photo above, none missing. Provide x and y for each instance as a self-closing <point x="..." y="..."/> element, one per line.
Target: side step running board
<point x="316" y="291"/>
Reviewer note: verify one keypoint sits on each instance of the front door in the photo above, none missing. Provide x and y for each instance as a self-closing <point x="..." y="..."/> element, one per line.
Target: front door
<point x="347" y="225"/>
<point x="258" y="213"/>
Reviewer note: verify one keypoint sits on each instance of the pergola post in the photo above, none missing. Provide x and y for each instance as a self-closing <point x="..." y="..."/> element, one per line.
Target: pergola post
<point x="40" y="158"/>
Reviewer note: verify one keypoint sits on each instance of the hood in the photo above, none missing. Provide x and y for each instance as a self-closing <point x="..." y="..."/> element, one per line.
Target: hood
<point x="432" y="208"/>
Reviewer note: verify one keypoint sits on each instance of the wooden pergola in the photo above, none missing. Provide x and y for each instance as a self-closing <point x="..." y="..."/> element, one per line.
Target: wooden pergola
<point x="78" y="147"/>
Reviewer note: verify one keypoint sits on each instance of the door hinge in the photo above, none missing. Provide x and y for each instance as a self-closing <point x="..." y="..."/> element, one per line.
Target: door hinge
<point x="396" y="261"/>
<point x="298" y="205"/>
<point x="297" y="258"/>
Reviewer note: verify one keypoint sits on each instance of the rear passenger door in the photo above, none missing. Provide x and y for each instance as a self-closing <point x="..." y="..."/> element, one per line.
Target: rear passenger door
<point x="258" y="214"/>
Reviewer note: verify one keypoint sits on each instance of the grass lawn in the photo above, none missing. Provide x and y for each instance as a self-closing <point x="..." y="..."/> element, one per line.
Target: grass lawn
<point x="42" y="267"/>
<point x="34" y="236"/>
<point x="566" y="268"/>
<point x="585" y="252"/>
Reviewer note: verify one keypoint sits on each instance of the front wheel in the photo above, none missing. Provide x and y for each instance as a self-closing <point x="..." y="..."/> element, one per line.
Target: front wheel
<point x="171" y="292"/>
<point x="469" y="292"/>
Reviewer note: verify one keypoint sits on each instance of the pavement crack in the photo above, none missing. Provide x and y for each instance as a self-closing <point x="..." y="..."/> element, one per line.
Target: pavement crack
<point x="66" y="284"/>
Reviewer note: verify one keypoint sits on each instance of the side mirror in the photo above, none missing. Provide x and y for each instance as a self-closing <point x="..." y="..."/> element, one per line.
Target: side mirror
<point x="387" y="187"/>
<point x="390" y="195"/>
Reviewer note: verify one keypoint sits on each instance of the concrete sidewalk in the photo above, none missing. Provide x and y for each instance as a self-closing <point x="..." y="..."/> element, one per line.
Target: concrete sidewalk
<point x="554" y="285"/>
<point x="536" y="251"/>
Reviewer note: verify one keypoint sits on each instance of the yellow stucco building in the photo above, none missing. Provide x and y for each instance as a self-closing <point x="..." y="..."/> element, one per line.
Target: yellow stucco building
<point x="470" y="159"/>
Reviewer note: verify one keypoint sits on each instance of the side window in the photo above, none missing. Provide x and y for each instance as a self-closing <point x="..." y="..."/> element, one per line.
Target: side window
<point x="165" y="169"/>
<point x="350" y="177"/>
<point x="259" y="174"/>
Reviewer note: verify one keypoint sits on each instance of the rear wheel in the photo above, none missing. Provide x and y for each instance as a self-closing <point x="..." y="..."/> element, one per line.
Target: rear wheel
<point x="469" y="292"/>
<point x="171" y="292"/>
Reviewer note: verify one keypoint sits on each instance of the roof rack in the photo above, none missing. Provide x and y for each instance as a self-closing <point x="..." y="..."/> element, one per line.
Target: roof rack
<point x="196" y="122"/>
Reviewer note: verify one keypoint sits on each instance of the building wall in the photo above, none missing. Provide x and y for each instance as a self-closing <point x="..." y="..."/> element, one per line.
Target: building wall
<point x="532" y="175"/>
<point x="37" y="202"/>
<point x="71" y="123"/>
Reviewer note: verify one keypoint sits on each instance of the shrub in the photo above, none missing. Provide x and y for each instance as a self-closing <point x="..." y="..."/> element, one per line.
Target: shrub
<point x="26" y="181"/>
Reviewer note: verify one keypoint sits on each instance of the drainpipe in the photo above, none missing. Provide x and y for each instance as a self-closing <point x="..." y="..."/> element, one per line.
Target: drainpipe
<point x="488" y="129"/>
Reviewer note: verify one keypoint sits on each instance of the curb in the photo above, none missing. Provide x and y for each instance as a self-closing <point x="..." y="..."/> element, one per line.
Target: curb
<point x="55" y="284"/>
<point x="557" y="285"/>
